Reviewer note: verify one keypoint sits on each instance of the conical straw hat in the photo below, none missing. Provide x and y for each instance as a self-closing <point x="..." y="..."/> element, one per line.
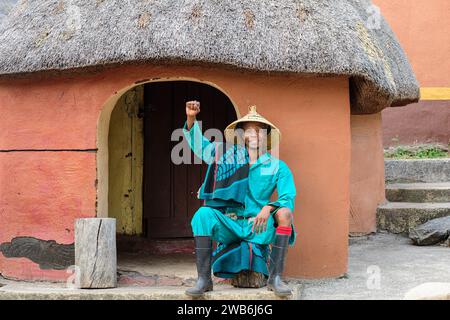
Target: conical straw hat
<point x="273" y="137"/>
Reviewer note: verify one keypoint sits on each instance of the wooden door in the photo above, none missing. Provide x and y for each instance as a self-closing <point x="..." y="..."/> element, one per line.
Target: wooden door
<point x="170" y="191"/>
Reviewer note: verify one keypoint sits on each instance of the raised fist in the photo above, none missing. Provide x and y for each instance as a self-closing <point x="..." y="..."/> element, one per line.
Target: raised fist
<point x="192" y="108"/>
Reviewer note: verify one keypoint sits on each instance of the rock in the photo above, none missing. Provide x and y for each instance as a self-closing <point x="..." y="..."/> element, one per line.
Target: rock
<point x="430" y="291"/>
<point x="431" y="232"/>
<point x="95" y="252"/>
<point x="446" y="243"/>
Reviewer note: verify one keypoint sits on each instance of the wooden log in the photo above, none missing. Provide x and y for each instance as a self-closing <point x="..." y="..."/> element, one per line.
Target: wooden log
<point x="249" y="279"/>
<point x="95" y="252"/>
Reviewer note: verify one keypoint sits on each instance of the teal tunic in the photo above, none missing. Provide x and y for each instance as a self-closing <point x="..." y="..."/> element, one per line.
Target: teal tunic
<point x="266" y="174"/>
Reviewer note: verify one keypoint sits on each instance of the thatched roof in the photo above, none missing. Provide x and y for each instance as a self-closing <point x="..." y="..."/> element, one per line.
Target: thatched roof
<point x="321" y="37"/>
<point x="5" y="7"/>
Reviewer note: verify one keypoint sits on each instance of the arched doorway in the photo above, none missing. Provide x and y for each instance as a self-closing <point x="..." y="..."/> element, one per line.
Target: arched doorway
<point x="148" y="194"/>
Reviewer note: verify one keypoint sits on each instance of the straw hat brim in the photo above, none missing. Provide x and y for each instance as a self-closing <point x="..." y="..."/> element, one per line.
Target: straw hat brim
<point x="273" y="138"/>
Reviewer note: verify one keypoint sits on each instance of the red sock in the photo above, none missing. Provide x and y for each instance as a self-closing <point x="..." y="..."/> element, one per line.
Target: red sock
<point x="284" y="230"/>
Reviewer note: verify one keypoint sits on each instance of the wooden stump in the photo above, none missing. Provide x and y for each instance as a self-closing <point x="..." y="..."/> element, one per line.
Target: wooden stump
<point x="249" y="279"/>
<point x="95" y="252"/>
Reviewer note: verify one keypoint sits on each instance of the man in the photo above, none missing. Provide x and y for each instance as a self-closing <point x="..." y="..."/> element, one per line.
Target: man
<point x="243" y="188"/>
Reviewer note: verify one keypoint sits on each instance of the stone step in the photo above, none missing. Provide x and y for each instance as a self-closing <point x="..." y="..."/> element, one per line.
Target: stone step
<point x="52" y="292"/>
<point x="427" y="170"/>
<point x="418" y="192"/>
<point x="400" y="217"/>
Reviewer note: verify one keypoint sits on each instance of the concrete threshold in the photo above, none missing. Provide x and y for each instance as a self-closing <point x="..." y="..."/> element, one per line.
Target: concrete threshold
<point x="30" y="291"/>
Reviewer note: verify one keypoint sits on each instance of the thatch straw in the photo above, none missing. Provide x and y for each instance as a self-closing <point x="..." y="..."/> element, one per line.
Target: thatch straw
<point x="5" y="7"/>
<point x="309" y="37"/>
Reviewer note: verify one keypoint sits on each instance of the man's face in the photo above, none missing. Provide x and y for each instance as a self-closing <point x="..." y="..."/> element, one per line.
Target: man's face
<point x="254" y="134"/>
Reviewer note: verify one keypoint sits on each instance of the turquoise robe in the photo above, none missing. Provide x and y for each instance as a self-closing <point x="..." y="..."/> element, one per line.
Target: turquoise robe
<point x="265" y="175"/>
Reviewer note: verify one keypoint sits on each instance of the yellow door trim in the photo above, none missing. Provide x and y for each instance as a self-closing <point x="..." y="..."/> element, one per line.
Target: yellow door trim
<point x="434" y="93"/>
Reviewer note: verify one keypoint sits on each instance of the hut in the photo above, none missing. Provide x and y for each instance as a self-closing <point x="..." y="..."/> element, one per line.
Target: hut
<point x="90" y="92"/>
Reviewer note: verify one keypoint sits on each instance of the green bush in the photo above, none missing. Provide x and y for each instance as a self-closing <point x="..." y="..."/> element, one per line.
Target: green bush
<point x="417" y="152"/>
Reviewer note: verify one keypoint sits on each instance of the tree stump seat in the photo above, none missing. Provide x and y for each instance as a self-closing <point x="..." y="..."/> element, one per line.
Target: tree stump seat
<point x="249" y="279"/>
<point x="95" y="253"/>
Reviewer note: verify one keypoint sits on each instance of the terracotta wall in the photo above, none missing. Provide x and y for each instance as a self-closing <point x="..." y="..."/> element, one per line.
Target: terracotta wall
<point x="48" y="156"/>
<point x="423" y="122"/>
<point x="47" y="165"/>
<point x="367" y="189"/>
<point x="422" y="27"/>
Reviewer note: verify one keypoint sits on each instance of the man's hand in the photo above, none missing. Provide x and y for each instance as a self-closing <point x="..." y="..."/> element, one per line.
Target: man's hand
<point x="260" y="222"/>
<point x="192" y="109"/>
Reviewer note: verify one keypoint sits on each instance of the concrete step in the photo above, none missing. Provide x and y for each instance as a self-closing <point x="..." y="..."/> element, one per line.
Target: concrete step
<point x="400" y="217"/>
<point x="33" y="291"/>
<point x="427" y="170"/>
<point x="418" y="192"/>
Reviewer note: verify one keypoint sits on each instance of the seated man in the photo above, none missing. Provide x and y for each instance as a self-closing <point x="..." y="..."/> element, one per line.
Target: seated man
<point x="244" y="188"/>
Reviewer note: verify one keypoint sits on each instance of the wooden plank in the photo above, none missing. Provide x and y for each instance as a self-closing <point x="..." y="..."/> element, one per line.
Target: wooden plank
<point x="137" y="149"/>
<point x="120" y="165"/>
<point x="179" y="178"/>
<point x="157" y="163"/>
<point x="125" y="163"/>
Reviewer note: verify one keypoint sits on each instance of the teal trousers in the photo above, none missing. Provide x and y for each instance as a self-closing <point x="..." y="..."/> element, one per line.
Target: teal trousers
<point x="212" y="222"/>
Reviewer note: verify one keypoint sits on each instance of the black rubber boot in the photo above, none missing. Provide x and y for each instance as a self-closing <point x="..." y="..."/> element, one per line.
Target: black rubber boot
<point x="203" y="255"/>
<point x="276" y="267"/>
